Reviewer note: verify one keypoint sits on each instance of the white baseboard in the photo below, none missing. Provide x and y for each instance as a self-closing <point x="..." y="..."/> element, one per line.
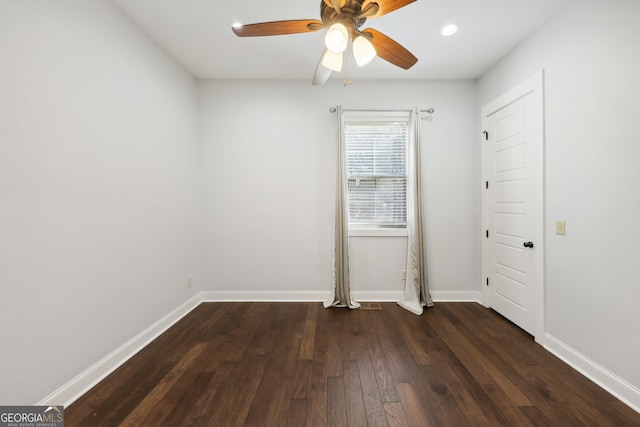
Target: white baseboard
<point x="437" y="296"/>
<point x="75" y="388"/>
<point x="313" y="296"/>
<point x="272" y="296"/>
<point x="376" y="296"/>
<point x="606" y="379"/>
<point x="455" y="296"/>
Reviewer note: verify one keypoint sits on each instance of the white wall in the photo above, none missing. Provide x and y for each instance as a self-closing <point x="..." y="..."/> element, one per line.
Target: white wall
<point x="591" y="56"/>
<point x="269" y="184"/>
<point x="99" y="179"/>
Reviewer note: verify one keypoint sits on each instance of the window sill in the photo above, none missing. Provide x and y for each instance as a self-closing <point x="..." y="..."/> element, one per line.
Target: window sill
<point x="378" y="232"/>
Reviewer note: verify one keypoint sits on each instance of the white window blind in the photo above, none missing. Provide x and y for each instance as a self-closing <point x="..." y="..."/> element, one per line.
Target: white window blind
<point x="376" y="153"/>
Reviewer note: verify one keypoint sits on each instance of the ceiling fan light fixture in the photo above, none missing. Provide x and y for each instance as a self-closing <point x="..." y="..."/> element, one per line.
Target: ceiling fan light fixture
<point x="332" y="60"/>
<point x="337" y="38"/>
<point x="450" y="30"/>
<point x="363" y="51"/>
<point x="339" y="25"/>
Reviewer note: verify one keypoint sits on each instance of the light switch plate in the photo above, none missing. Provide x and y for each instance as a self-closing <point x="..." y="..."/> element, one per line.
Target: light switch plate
<point x="560" y="228"/>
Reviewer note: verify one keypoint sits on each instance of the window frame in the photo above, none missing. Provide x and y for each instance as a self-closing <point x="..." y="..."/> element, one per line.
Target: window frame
<point x="354" y="117"/>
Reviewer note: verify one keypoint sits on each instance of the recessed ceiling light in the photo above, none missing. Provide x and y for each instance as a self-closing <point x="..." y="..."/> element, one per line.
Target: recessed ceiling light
<point x="450" y="29"/>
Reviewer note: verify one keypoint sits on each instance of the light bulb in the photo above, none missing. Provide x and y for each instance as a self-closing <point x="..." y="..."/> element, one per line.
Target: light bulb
<point x="449" y="30"/>
<point x="337" y="38"/>
<point x="363" y="51"/>
<point x="332" y="60"/>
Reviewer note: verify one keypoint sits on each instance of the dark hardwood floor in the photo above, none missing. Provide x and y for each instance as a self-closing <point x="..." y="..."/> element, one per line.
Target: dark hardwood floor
<point x="297" y="364"/>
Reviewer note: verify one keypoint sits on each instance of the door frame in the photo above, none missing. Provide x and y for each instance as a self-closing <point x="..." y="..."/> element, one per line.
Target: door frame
<point x="533" y="86"/>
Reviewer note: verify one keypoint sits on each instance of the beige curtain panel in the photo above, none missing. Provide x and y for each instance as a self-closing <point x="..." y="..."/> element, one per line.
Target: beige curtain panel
<point x="341" y="292"/>
<point x="416" y="292"/>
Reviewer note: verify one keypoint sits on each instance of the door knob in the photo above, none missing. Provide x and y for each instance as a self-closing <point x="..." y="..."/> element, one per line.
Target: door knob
<point x="528" y="244"/>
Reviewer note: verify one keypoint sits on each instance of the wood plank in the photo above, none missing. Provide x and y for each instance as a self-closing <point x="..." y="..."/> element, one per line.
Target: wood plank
<point x="352" y="339"/>
<point x="273" y="410"/>
<point x="289" y="331"/>
<point x="184" y="403"/>
<point x="472" y="358"/>
<point x="579" y="406"/>
<point x="309" y="333"/>
<point x="446" y="409"/>
<point x="317" y="390"/>
<point x="412" y="329"/>
<point x="317" y="407"/>
<point x="356" y="415"/>
<point x="385" y="380"/>
<point x="125" y="399"/>
<point x="89" y="406"/>
<point x="413" y="409"/>
<point x="198" y="409"/>
<point x="467" y="393"/>
<point x="249" y="324"/>
<point x="395" y="414"/>
<point x="371" y="391"/>
<point x="302" y="379"/>
<point x="336" y="405"/>
<point x="232" y="403"/>
<point x="151" y="409"/>
<point x="329" y="324"/>
<point x="297" y="413"/>
<point x="271" y="401"/>
<point x="392" y="347"/>
<point x="537" y="416"/>
<point x="620" y="414"/>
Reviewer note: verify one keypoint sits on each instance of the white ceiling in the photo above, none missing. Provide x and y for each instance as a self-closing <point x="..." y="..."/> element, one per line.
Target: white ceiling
<point x="197" y="33"/>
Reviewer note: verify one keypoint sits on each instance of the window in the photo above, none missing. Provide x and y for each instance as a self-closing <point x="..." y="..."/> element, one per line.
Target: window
<point x="376" y="154"/>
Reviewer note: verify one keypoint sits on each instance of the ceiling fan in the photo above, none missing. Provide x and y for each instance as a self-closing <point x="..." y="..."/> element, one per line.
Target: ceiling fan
<point x="343" y="20"/>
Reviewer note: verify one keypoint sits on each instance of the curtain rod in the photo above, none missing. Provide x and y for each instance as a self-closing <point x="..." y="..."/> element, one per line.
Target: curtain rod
<point x="428" y="110"/>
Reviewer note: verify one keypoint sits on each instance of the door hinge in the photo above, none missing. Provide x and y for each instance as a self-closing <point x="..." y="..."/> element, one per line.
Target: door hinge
<point x="486" y="135"/>
<point x="487" y="281"/>
<point x="487" y="233"/>
<point x="486" y="184"/>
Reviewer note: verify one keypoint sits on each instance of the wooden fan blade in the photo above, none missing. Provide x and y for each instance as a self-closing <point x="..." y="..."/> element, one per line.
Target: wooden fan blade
<point x="390" y="50"/>
<point x="386" y="6"/>
<point x="369" y="11"/>
<point x="277" y="28"/>
<point x="322" y="73"/>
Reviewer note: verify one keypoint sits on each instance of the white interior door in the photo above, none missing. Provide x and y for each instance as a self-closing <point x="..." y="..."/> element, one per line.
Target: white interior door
<point x="512" y="152"/>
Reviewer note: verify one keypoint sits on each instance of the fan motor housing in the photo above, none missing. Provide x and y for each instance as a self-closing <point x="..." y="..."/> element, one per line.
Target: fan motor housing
<point x="347" y="14"/>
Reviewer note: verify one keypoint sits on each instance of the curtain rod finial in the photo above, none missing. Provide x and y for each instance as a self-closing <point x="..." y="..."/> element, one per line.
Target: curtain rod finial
<point x="332" y="110"/>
